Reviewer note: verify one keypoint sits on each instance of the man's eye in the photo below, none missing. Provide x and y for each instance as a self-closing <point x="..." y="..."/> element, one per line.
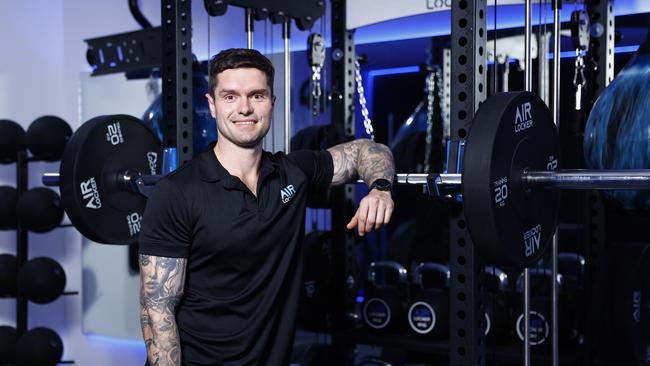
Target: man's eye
<point x="229" y="98"/>
<point x="259" y="97"/>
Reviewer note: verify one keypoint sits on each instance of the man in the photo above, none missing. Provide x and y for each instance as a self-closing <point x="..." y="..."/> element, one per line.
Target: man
<point x="220" y="256"/>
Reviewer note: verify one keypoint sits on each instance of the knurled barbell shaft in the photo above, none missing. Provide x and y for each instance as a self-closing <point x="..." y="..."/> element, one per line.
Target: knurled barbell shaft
<point x="561" y="179"/>
<point x="588" y="179"/>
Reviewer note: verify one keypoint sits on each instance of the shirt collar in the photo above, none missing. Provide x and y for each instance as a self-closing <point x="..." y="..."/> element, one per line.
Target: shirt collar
<point x="211" y="170"/>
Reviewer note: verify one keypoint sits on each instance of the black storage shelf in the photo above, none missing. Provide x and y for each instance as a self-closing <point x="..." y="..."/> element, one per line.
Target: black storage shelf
<point x="513" y="353"/>
<point x="507" y="352"/>
<point x="406" y="341"/>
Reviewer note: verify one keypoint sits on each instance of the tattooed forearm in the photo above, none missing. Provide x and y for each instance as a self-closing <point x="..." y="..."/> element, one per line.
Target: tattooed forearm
<point x="361" y="158"/>
<point x="161" y="289"/>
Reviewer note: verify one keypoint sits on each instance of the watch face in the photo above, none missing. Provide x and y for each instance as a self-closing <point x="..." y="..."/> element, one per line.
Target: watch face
<point x="381" y="184"/>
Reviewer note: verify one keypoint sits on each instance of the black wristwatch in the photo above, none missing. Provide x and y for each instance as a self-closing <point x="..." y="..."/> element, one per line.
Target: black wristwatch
<point x="382" y="185"/>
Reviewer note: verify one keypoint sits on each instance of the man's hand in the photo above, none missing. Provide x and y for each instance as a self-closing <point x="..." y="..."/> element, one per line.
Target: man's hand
<point x="374" y="211"/>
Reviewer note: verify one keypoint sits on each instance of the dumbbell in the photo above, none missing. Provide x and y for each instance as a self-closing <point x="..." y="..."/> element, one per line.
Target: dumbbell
<point x="428" y="313"/>
<point x="8" y="201"/>
<point x="12" y="140"/>
<point x="540" y="306"/>
<point x="8" y="338"/>
<point x="497" y="313"/>
<point x="384" y="306"/>
<point x="39" y="210"/>
<point x="39" y="347"/>
<point x="46" y="137"/>
<point x="8" y="271"/>
<point x="41" y="280"/>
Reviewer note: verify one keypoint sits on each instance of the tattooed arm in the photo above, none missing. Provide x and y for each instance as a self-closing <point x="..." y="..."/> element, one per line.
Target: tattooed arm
<point x="161" y="288"/>
<point x="370" y="161"/>
<point x="361" y="158"/>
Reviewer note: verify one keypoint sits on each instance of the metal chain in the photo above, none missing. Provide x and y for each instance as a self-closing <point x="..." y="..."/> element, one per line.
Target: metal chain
<point x="316" y="56"/>
<point x="428" y="146"/>
<point x="579" y="80"/>
<point x="315" y="78"/>
<point x="367" y="123"/>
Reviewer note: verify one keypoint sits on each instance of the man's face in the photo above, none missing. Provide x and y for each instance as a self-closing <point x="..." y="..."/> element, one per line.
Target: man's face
<point x="242" y="106"/>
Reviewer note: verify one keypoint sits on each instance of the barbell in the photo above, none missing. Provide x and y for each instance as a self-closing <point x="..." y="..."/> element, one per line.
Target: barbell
<point x="510" y="178"/>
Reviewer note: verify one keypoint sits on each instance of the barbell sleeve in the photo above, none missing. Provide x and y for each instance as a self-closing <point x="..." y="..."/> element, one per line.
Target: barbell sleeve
<point x="443" y="179"/>
<point x="51" y="179"/>
<point x="588" y="179"/>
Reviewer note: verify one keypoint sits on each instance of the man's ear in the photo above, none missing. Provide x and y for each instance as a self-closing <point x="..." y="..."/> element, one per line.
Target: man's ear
<point x="273" y="101"/>
<point x="213" y="112"/>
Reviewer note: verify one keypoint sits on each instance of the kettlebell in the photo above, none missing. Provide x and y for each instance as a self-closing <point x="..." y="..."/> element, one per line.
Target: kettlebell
<point x="428" y="313"/>
<point x="386" y="296"/>
<point x="540" y="306"/>
<point x="497" y="313"/>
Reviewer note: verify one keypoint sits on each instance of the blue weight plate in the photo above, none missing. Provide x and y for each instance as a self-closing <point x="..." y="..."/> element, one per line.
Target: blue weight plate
<point x="508" y="223"/>
<point x="96" y="154"/>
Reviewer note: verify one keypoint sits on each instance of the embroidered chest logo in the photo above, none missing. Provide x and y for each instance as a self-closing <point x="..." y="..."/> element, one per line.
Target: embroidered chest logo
<point x="287" y="193"/>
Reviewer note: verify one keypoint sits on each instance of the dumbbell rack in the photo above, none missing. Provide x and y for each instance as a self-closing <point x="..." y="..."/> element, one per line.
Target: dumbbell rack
<point x="22" y="245"/>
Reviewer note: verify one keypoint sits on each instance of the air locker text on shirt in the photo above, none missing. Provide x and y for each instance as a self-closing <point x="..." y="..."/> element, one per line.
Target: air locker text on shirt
<point x="523" y="118"/>
<point x="287" y="193"/>
<point x="90" y="193"/>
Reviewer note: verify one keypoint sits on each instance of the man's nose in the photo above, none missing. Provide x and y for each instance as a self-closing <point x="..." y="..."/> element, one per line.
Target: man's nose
<point x="245" y="106"/>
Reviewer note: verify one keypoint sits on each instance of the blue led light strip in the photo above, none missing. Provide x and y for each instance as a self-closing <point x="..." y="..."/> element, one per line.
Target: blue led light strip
<point x="372" y="74"/>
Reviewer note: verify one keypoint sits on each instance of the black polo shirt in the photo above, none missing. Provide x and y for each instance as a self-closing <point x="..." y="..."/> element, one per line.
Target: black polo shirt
<point x="244" y="253"/>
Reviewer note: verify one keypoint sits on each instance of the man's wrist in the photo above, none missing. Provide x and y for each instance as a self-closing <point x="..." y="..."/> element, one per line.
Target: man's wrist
<point x="381" y="184"/>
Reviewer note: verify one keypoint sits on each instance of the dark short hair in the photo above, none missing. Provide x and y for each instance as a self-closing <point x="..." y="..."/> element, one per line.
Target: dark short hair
<point x="237" y="58"/>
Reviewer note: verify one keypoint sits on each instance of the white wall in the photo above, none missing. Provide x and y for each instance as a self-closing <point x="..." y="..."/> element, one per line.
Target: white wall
<point x="43" y="54"/>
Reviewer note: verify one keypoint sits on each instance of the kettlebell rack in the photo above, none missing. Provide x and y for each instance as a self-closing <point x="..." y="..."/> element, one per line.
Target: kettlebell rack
<point x="467" y="342"/>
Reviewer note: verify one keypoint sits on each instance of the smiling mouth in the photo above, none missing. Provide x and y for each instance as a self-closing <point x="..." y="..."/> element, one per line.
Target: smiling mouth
<point x="245" y="122"/>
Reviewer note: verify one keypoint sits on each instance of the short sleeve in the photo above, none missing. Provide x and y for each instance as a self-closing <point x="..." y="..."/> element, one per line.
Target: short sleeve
<point x="166" y="223"/>
<point x="318" y="166"/>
